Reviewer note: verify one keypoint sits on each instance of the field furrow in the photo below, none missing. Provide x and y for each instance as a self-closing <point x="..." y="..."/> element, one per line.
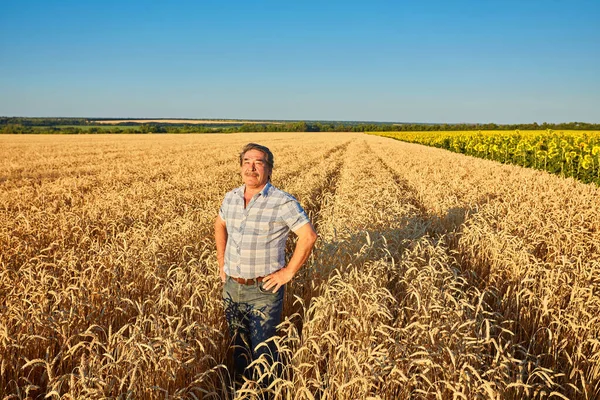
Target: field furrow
<point x="435" y="275"/>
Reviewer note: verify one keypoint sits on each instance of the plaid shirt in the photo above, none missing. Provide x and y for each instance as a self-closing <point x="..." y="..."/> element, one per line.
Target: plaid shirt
<point x="256" y="235"/>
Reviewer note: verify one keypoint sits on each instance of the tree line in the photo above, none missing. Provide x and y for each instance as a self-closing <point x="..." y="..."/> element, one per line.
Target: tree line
<point x="24" y="125"/>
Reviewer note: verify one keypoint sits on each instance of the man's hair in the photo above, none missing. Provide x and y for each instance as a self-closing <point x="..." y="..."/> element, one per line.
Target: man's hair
<point x="263" y="149"/>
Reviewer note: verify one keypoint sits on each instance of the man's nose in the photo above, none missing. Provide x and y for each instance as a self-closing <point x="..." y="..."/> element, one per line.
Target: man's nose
<point x="253" y="166"/>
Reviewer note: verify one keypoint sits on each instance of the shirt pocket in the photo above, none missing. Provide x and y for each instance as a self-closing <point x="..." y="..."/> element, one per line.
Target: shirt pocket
<point x="263" y="228"/>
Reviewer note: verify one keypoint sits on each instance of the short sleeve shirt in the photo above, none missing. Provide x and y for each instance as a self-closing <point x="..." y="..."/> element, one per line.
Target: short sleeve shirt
<point x="256" y="235"/>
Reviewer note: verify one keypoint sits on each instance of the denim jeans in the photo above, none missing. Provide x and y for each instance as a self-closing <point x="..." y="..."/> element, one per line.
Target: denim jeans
<point x="252" y="314"/>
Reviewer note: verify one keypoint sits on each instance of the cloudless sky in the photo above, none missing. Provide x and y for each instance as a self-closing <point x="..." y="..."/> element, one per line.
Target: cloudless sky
<point x="404" y="61"/>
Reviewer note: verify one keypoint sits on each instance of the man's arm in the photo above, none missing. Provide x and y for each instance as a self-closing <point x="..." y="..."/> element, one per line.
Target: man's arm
<point x="306" y="241"/>
<point x="221" y="242"/>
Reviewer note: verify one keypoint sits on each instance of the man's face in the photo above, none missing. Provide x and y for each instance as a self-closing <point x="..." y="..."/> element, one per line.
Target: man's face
<point x="255" y="170"/>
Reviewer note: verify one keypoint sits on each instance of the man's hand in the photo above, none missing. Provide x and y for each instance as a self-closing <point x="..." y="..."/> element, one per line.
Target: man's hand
<point x="222" y="275"/>
<point x="277" y="279"/>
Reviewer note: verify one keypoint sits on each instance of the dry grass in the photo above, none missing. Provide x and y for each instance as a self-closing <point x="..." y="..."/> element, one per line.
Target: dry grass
<point x="435" y="275"/>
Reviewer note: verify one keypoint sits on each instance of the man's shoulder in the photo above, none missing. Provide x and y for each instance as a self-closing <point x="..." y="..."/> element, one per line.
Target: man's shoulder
<point x="234" y="192"/>
<point x="281" y="195"/>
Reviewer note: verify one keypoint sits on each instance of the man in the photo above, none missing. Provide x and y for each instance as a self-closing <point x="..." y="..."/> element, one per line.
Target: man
<point x="250" y="233"/>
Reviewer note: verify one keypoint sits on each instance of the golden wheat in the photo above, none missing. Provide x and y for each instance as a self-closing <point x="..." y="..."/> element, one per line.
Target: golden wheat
<point x="435" y="275"/>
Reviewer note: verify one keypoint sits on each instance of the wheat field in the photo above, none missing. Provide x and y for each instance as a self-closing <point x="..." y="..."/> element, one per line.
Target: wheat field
<point x="435" y="275"/>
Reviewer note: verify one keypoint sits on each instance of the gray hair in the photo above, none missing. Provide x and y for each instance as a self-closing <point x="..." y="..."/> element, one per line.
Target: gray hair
<point x="265" y="150"/>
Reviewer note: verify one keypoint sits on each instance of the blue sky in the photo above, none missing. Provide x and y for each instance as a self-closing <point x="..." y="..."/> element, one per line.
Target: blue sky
<point x="427" y="61"/>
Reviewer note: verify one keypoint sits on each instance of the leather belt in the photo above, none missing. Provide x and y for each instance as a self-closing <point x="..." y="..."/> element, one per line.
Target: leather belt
<point x="243" y="281"/>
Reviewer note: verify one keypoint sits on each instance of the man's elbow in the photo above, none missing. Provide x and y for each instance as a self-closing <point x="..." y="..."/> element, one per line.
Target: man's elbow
<point x="311" y="237"/>
<point x="306" y="235"/>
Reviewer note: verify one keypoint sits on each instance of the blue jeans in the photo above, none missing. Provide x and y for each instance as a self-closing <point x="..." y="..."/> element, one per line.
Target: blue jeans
<point x="252" y="314"/>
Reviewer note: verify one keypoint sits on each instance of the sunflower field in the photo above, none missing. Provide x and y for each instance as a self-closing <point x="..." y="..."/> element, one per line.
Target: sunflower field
<point x="566" y="153"/>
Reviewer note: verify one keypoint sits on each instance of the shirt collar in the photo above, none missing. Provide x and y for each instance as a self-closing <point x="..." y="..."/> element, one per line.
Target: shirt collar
<point x="266" y="190"/>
